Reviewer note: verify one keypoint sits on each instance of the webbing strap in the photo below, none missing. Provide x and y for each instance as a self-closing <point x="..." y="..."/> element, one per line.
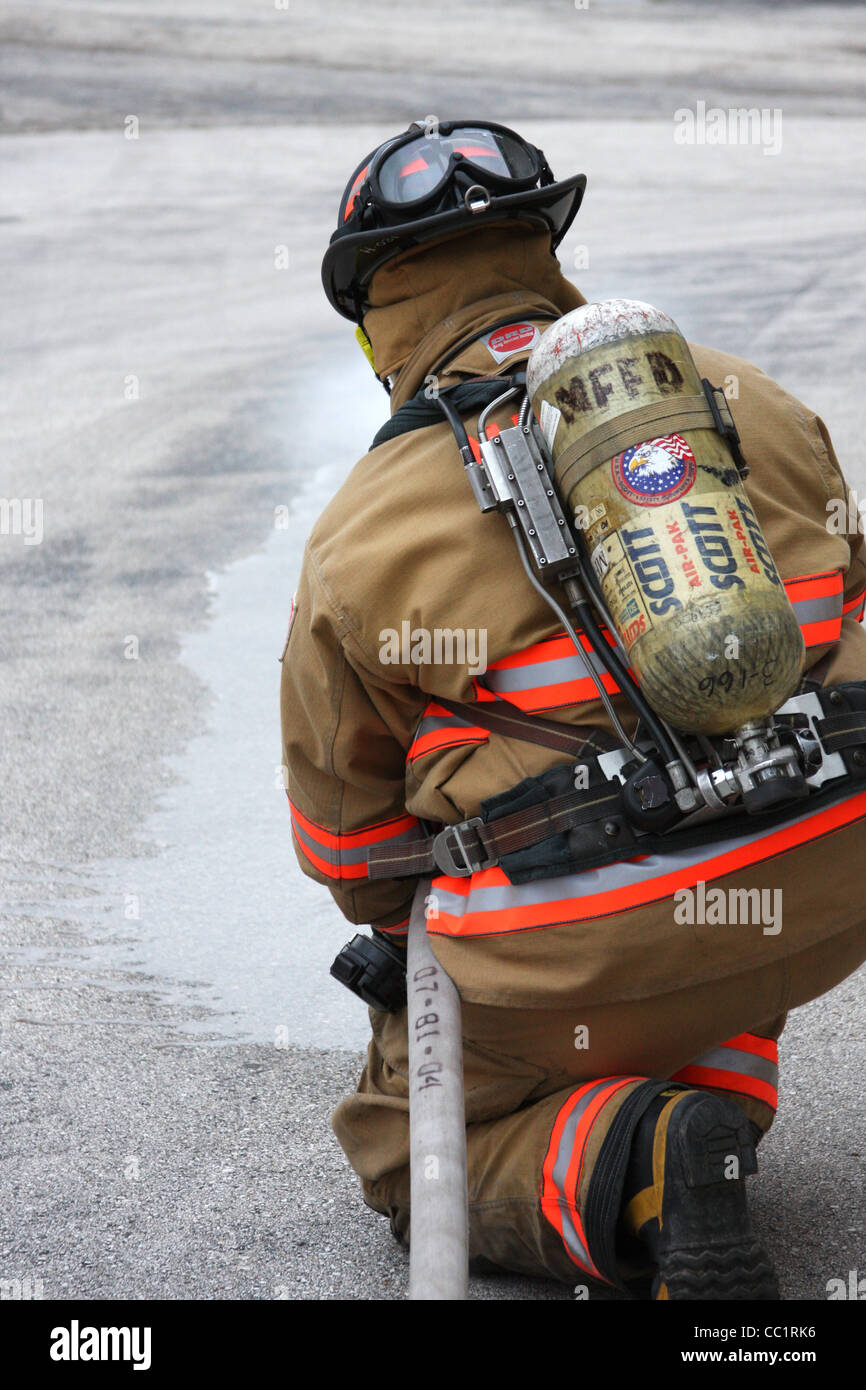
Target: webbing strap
<point x="490" y="841"/>
<point x="477" y="843"/>
<point x="523" y="828"/>
<point x="511" y="722"/>
<point x="631" y="427"/>
<point x="423" y="410"/>
<point x="840" y="731"/>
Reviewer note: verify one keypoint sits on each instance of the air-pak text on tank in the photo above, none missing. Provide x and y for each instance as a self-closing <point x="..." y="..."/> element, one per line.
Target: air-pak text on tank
<point x="758" y="543"/>
<point x="681" y="549"/>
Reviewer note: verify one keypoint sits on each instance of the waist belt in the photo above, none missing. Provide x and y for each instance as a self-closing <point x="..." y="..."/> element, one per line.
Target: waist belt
<point x="575" y="817"/>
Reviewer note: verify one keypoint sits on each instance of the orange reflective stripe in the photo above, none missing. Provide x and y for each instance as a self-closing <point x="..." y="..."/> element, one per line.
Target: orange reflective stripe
<point x="751" y="1042"/>
<point x="547" y="649"/>
<point x="808" y="586"/>
<point x="563" y="1165"/>
<point x="327" y="867"/>
<point x="559" y="647"/>
<point x="560" y="696"/>
<point x="439" y="728"/>
<point x="550" y="674"/>
<point x="746" y="1064"/>
<point x="341" y="871"/>
<point x="367" y="835"/>
<point x="445" y="738"/>
<point x="854" y="607"/>
<point x="399" y="929"/>
<point x="821" y="634"/>
<point x="817" y="603"/>
<point x="585" y="1124"/>
<point x="487" y="903"/>
<point x="730" y="1081"/>
<point x="344" y="856"/>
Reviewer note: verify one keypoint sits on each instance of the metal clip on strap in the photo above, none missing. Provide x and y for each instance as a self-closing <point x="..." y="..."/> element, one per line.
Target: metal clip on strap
<point x="724" y="421"/>
<point x="452" y="839"/>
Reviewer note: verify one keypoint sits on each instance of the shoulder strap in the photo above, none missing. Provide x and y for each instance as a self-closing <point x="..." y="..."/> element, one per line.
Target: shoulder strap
<point x="422" y="410"/>
<point x="502" y="717"/>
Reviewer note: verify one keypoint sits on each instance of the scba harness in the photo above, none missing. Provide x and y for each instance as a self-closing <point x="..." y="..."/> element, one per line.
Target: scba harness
<point x="661" y="789"/>
<point x="607" y="806"/>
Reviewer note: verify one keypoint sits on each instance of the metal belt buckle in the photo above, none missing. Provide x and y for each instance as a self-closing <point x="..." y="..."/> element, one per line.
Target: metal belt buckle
<point x="450" y="840"/>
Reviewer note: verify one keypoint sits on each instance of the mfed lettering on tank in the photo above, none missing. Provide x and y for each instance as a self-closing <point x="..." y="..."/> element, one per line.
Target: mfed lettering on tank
<point x="624" y="377"/>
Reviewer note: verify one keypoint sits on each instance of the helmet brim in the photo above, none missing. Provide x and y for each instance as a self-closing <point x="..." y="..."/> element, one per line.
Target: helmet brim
<point x="351" y="260"/>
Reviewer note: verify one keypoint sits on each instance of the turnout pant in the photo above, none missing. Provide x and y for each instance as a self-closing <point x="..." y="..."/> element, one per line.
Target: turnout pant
<point x="553" y="1096"/>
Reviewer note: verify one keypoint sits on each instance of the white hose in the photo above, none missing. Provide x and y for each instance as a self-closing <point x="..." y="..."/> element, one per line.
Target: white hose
<point x="439" y="1234"/>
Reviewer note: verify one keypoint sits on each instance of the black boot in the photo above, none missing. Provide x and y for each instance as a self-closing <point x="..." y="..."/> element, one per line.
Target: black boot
<point x="684" y="1198"/>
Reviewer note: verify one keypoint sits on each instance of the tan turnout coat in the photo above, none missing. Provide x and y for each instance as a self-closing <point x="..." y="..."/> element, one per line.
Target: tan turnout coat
<point x="404" y="541"/>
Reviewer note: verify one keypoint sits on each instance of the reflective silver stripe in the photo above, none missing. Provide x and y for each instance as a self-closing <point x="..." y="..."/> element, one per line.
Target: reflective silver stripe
<point x="743" y="1063"/>
<point x="432" y="723"/>
<point x="591" y="882"/>
<point x="818" y="610"/>
<point x="587" y="884"/>
<point x="332" y="856"/>
<point x="348" y="856"/>
<point x="564" y="1155"/>
<point x="556" y="671"/>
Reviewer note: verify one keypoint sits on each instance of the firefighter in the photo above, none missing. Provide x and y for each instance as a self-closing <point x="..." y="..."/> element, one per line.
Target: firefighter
<point x="620" y="1049"/>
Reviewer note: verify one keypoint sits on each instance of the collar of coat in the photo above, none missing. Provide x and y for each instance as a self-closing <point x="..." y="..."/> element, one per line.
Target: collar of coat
<point x="429" y="301"/>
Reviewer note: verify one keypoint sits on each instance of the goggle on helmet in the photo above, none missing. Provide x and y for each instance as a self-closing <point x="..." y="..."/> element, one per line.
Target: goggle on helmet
<point x="427" y="183"/>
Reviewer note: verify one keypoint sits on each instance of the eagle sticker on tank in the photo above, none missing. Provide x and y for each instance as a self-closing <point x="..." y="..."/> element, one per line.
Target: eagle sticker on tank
<point x="656" y="472"/>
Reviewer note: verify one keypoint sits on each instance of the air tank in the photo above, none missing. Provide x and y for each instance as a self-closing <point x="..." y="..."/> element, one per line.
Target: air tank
<point x="672" y="538"/>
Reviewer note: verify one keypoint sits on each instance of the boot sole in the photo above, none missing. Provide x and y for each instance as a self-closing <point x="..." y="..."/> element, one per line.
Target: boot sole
<point x="708" y="1249"/>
